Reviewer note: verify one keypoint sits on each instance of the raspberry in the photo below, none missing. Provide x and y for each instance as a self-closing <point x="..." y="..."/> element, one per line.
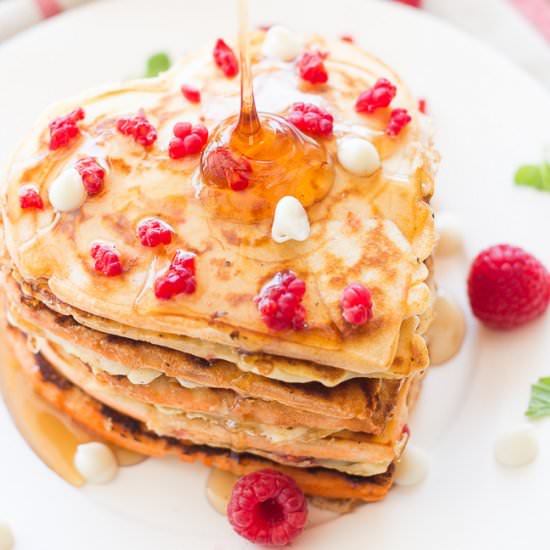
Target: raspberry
<point x="189" y="140"/>
<point x="399" y="118"/>
<point x="139" y="128"/>
<point x="30" y="198"/>
<point x="380" y="95"/>
<point x="280" y="302"/>
<point x="92" y="174"/>
<point x="311" y="119"/>
<point x="191" y="93"/>
<point x="107" y="258"/>
<point x="356" y="302"/>
<point x="422" y="105"/>
<point x="152" y="232"/>
<point x="228" y="169"/>
<point x="508" y="287"/>
<point x="226" y="59"/>
<point x="64" y="129"/>
<point x="267" y="507"/>
<point x="406" y="430"/>
<point x="179" y="278"/>
<point x="347" y="38"/>
<point x="311" y="67"/>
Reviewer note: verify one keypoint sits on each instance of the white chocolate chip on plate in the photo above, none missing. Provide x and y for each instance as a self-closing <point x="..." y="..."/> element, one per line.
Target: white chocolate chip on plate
<point x="358" y="156"/>
<point x="281" y="43"/>
<point x="290" y="221"/>
<point x="67" y="191"/>
<point x="413" y="466"/>
<point x="6" y="537"/>
<point x="517" y="446"/>
<point x="95" y="462"/>
<point x="450" y="234"/>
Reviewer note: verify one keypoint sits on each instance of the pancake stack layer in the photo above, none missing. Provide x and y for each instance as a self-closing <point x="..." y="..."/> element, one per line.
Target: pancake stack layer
<point x="200" y="375"/>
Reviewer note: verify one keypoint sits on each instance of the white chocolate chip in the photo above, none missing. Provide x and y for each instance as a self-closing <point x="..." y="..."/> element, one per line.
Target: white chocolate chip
<point x="67" y="192"/>
<point x="413" y="466"/>
<point x="450" y="234"/>
<point x="290" y="221"/>
<point x="143" y="376"/>
<point x="6" y="537"/>
<point x="281" y="43"/>
<point x="517" y="447"/>
<point x="95" y="462"/>
<point x="358" y="156"/>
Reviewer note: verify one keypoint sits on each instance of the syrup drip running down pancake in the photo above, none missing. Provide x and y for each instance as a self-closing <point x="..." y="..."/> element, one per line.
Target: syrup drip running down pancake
<point x="376" y="230"/>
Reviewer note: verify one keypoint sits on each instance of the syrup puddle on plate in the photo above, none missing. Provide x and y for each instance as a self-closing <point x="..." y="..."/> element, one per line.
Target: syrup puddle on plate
<point x="53" y="437"/>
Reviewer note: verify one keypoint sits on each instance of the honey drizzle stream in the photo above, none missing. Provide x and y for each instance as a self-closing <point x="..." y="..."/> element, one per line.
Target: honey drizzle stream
<point x="249" y="123"/>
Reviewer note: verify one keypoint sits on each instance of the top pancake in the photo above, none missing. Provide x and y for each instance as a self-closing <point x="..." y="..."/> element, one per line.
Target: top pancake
<point x="377" y="230"/>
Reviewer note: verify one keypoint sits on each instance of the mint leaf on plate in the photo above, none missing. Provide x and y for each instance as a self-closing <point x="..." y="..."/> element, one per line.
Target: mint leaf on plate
<point x="529" y="175"/>
<point x="539" y="404"/>
<point x="157" y="63"/>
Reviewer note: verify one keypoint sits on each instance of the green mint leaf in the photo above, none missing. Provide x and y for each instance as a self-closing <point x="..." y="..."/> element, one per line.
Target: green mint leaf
<point x="529" y="175"/>
<point x="539" y="403"/>
<point x="156" y="64"/>
<point x="545" y="173"/>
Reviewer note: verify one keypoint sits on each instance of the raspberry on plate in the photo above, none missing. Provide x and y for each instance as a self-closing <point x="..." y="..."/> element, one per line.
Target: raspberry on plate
<point x="64" y="129"/>
<point x="267" y="507"/>
<point x="377" y="97"/>
<point x="508" y="287"/>
<point x="29" y="197"/>
<point x="311" y="119"/>
<point x="311" y="67"/>
<point x="106" y="258"/>
<point x="152" y="232"/>
<point x="226" y="59"/>
<point x="356" y="302"/>
<point x="179" y="278"/>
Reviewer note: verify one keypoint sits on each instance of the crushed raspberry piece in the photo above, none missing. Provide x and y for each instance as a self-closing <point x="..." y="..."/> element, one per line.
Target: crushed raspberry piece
<point x="399" y="118"/>
<point x="139" y="128"/>
<point x="226" y="59"/>
<point x="311" y="119"/>
<point x="189" y="140"/>
<point x="413" y="3"/>
<point x="356" y="302"/>
<point x="29" y="197"/>
<point x="280" y="302"/>
<point x="152" y="232"/>
<point x="92" y="174"/>
<point x="406" y="430"/>
<point x="422" y="105"/>
<point x="311" y="67"/>
<point x="179" y="278"/>
<point x="228" y="169"/>
<point x="380" y="95"/>
<point x="508" y="287"/>
<point x="191" y="93"/>
<point x="64" y="129"/>
<point x="107" y="258"/>
<point x="347" y="38"/>
<point x="267" y="507"/>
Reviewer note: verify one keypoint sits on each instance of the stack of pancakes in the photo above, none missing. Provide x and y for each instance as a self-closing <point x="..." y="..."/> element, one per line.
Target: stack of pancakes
<point x="201" y="376"/>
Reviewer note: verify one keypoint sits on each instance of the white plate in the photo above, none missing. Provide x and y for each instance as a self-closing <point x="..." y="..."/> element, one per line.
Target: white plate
<point x="489" y="118"/>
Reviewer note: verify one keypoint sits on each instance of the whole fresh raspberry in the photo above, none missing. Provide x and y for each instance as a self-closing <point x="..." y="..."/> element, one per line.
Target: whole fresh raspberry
<point x="399" y="118"/>
<point x="229" y="170"/>
<point x="311" y="119"/>
<point x="191" y="93"/>
<point x="377" y="97"/>
<point x="64" y="129"/>
<point x="29" y="197"/>
<point x="508" y="287"/>
<point x="280" y="302"/>
<point x="311" y="67"/>
<point x="152" y="232"/>
<point x="267" y="507"/>
<point x="107" y="258"/>
<point x="188" y="139"/>
<point x="226" y="59"/>
<point x="179" y="277"/>
<point x="139" y="128"/>
<point x="92" y="174"/>
<point x="356" y="302"/>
